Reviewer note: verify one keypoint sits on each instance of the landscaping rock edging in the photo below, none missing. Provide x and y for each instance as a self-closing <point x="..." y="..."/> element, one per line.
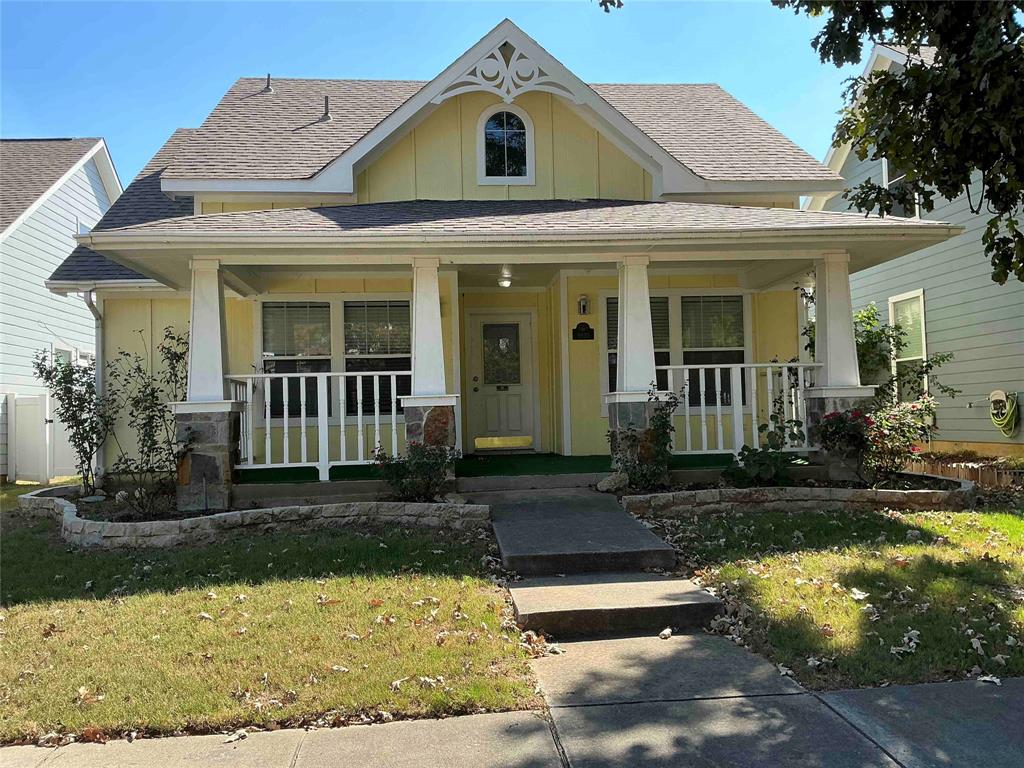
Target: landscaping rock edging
<point x="785" y="499"/>
<point x="208" y="529"/>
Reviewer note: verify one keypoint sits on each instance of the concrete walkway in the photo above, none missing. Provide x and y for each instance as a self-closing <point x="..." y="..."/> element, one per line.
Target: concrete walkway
<point x="691" y="700"/>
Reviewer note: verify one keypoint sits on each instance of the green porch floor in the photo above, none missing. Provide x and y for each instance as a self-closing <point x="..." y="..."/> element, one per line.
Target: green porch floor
<point x="477" y="465"/>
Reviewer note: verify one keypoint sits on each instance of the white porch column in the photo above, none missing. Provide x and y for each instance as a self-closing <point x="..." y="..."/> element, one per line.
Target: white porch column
<point x="430" y="411"/>
<point x="837" y="387"/>
<point x="834" y="344"/>
<point x="635" y="369"/>
<point x="207" y="346"/>
<point x="427" y="352"/>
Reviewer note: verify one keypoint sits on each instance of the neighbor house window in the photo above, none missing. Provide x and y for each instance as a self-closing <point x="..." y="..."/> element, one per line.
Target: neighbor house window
<point x="296" y="339"/>
<point x="893" y="179"/>
<point x="713" y="335"/>
<point x="505" y="147"/>
<point x="662" y="342"/>
<point x="907" y="311"/>
<point x="377" y="338"/>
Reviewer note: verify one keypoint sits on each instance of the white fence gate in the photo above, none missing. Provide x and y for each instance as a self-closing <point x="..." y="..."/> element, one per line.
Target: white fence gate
<point x="38" y="446"/>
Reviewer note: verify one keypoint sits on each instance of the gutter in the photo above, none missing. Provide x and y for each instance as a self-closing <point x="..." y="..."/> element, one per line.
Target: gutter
<point x="90" y="301"/>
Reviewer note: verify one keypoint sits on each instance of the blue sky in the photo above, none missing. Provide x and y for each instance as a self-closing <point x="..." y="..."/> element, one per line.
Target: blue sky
<point x="132" y="72"/>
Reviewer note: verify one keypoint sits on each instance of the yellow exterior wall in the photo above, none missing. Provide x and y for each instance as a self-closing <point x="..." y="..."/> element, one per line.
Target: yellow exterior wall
<point x="437" y="160"/>
<point x="776" y="326"/>
<point x="538" y="301"/>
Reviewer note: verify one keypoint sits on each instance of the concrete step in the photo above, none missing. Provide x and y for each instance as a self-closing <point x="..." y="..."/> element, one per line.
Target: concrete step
<point x="596" y="604"/>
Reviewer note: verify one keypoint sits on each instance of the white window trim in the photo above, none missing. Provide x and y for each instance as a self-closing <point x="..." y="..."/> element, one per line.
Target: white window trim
<point x="886" y="181"/>
<point x="675" y="329"/>
<point x="481" y="153"/>
<point x="919" y="295"/>
<point x="337" y="356"/>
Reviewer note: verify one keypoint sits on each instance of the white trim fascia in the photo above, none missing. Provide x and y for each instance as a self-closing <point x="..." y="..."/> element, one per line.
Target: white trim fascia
<point x="510" y="289"/>
<point x="63" y="287"/>
<point x="108" y="175"/>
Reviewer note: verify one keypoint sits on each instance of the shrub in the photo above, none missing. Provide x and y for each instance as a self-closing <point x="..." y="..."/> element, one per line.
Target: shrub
<point x="768" y="465"/>
<point x="643" y="455"/>
<point x="423" y="474"/>
<point x="84" y="412"/>
<point x="140" y="394"/>
<point x="877" y="444"/>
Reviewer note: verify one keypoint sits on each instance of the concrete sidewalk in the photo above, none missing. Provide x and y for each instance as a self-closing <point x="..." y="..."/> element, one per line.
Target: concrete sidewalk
<point x="506" y="740"/>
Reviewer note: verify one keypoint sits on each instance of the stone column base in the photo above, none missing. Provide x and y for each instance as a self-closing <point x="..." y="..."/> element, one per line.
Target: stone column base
<point x="206" y="472"/>
<point x="430" y="419"/>
<point x="630" y="410"/>
<point x="822" y="400"/>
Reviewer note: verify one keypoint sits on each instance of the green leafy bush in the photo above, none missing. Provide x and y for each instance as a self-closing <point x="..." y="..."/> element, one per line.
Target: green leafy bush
<point x="422" y="474"/>
<point x="768" y="465"/>
<point x="643" y="455"/>
<point x="84" y="412"/>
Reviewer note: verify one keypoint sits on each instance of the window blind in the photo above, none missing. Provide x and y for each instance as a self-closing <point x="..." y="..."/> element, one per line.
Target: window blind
<point x="908" y="316"/>
<point x="712" y="322"/>
<point x="296" y="329"/>
<point x="377" y="328"/>
<point x="659" y="322"/>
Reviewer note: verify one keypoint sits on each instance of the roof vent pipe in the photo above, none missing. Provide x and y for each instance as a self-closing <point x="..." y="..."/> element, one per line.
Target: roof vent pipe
<point x="268" y="88"/>
<point x="326" y="117"/>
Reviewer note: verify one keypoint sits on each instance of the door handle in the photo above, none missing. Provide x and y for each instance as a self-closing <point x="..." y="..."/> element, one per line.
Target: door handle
<point x="476" y="389"/>
<point x="476" y="378"/>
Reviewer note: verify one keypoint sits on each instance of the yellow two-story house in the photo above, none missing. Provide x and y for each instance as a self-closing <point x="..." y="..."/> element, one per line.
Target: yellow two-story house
<point x="502" y="258"/>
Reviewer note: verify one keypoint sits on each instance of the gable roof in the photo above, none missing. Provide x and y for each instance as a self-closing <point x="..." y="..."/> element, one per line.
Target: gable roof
<point x="29" y="168"/>
<point x="252" y="134"/>
<point x="274" y="131"/>
<point x="143" y="201"/>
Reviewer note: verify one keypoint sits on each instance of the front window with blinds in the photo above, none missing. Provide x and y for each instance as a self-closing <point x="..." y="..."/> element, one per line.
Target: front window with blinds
<point x="662" y="339"/>
<point x="908" y="313"/>
<point x="377" y="338"/>
<point x="296" y="339"/>
<point x="713" y="335"/>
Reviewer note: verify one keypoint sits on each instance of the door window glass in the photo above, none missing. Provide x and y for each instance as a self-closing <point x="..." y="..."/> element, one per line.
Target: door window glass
<point x="501" y="353"/>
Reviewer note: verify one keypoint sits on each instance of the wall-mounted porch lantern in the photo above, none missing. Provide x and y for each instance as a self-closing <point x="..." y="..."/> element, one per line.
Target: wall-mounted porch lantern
<point x="583" y="304"/>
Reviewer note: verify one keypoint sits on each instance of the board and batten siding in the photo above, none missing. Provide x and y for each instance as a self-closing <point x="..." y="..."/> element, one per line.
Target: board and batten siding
<point x="32" y="318"/>
<point x="966" y="313"/>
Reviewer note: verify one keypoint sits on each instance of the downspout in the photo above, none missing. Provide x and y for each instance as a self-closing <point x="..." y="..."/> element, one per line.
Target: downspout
<point x="90" y="301"/>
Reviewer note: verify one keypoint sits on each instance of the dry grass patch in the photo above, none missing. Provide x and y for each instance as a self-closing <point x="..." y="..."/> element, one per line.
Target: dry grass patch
<point x="280" y="629"/>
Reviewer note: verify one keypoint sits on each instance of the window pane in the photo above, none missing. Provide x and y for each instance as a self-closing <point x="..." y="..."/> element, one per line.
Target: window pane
<point x="296" y="329"/>
<point x="494" y="153"/>
<point x="907" y="315"/>
<point x="513" y="122"/>
<point x="515" y="153"/>
<point x="495" y="122"/>
<point x="501" y="353"/>
<point x="377" y="328"/>
<point x="909" y="384"/>
<point x="403" y="384"/>
<point x="712" y="321"/>
<point x="294" y="386"/>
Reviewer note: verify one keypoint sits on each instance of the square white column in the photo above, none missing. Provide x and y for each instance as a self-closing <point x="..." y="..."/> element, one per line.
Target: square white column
<point x="427" y="343"/>
<point x="207" y="337"/>
<point x="834" y="344"/>
<point x="635" y="354"/>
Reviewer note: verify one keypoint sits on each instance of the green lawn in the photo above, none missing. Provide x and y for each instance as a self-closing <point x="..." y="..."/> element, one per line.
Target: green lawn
<point x="864" y="599"/>
<point x="277" y="629"/>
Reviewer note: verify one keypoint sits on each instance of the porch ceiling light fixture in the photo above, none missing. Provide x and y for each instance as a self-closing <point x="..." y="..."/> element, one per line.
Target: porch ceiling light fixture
<point x="505" y="282"/>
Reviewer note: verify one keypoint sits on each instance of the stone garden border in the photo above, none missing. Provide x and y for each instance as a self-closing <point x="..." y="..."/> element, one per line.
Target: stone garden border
<point x="785" y="499"/>
<point x="55" y="503"/>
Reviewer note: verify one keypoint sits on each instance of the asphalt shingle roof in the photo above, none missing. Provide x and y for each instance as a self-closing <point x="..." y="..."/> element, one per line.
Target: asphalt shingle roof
<point x="258" y="135"/>
<point x="29" y="167"/>
<point x="143" y="201"/>
<point x="509" y="219"/>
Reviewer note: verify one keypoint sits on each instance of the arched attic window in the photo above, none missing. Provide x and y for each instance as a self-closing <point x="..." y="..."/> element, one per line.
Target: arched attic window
<point x="505" y="146"/>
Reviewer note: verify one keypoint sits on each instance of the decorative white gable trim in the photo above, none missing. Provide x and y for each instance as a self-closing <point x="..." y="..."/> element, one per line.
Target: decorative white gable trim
<point x="506" y="71"/>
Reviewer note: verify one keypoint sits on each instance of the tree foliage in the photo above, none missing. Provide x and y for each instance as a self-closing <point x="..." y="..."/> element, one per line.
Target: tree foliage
<point x="952" y="119"/>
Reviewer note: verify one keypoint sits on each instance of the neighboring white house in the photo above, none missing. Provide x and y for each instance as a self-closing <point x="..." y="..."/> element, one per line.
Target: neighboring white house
<point x="50" y="191"/>
<point x="945" y="297"/>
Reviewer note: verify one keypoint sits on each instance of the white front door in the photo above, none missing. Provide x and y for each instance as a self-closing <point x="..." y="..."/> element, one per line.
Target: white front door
<point x="501" y="397"/>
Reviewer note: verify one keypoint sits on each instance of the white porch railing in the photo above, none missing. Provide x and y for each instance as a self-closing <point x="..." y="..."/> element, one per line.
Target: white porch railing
<point x="318" y="420"/>
<point x="721" y="406"/>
